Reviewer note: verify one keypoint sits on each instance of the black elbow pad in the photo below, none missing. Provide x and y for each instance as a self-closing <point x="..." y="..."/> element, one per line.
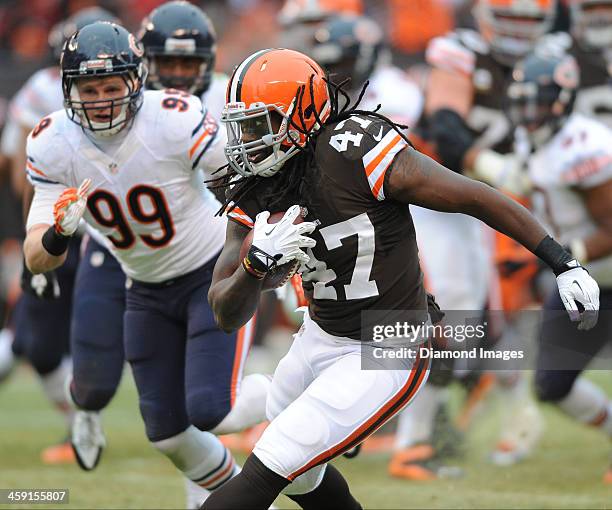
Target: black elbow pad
<point x="452" y="137"/>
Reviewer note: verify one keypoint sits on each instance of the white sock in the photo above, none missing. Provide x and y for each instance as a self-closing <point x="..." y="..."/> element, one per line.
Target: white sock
<point x="54" y="384"/>
<point x="587" y="403"/>
<point x="7" y="358"/>
<point x="250" y="406"/>
<point x="415" y="423"/>
<point x="200" y="456"/>
<point x="195" y="494"/>
<point x="513" y="387"/>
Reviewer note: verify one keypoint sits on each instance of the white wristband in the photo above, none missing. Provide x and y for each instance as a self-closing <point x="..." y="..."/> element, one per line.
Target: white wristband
<point x="579" y="250"/>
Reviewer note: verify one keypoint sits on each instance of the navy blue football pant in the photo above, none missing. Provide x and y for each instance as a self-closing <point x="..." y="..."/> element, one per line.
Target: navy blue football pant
<point x="184" y="366"/>
<point x="42" y="327"/>
<point x="97" y="328"/>
<point x="564" y="351"/>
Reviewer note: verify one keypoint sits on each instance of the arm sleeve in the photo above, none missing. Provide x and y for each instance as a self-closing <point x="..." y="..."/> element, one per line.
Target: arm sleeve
<point x="41" y="210"/>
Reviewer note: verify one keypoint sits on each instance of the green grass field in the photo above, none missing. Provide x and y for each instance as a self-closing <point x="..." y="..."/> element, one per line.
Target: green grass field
<point x="565" y="472"/>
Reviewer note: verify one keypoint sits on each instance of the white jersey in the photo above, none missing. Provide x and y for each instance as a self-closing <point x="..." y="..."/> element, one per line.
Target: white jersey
<point x="399" y="97"/>
<point x="214" y="97"/>
<point x="39" y="96"/>
<point x="143" y="198"/>
<point x="579" y="157"/>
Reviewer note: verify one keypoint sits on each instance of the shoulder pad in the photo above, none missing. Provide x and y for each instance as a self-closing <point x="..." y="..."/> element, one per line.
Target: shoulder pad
<point x="366" y="144"/>
<point x="48" y="149"/>
<point x="450" y="53"/>
<point x="172" y="114"/>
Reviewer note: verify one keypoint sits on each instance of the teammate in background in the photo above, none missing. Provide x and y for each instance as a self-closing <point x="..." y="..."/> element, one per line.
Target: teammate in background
<point x="571" y="171"/>
<point x="123" y="160"/>
<point x="291" y="148"/>
<point x="42" y="316"/>
<point x="464" y="108"/>
<point x="180" y="52"/>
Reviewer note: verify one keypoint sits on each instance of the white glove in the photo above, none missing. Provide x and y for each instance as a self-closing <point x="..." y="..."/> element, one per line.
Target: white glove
<point x="282" y="241"/>
<point x="70" y="207"/>
<point x="576" y="285"/>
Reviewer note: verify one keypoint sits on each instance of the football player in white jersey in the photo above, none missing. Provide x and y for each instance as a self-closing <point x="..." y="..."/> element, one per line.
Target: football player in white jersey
<point x="122" y="159"/>
<point x="98" y="355"/>
<point x="571" y="171"/>
<point x="42" y="318"/>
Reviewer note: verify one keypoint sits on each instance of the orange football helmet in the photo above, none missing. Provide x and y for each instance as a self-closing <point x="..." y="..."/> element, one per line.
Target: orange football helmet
<point x="275" y="99"/>
<point x="512" y="27"/>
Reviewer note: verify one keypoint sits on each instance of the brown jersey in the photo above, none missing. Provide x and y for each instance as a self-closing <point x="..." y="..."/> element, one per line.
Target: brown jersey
<point x="366" y="257"/>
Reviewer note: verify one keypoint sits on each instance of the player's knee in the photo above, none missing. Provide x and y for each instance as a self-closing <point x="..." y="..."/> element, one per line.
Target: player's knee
<point x="206" y="408"/>
<point x="92" y="398"/>
<point x="552" y="386"/>
<point x="43" y="360"/>
<point x="159" y="422"/>
<point x="306" y="482"/>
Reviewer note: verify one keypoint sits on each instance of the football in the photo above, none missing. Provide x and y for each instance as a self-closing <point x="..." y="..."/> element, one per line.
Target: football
<point x="280" y="275"/>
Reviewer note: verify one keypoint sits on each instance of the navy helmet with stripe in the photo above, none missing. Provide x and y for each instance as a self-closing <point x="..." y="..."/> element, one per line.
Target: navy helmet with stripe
<point x="99" y="50"/>
<point x="179" y="29"/>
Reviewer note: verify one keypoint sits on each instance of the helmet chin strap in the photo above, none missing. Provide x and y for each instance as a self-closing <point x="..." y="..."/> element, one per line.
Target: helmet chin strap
<point x="263" y="167"/>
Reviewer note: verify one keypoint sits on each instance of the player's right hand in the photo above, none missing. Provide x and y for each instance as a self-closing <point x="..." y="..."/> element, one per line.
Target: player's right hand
<point x="42" y="286"/>
<point x="576" y="286"/>
<point x="70" y="207"/>
<point x="282" y="241"/>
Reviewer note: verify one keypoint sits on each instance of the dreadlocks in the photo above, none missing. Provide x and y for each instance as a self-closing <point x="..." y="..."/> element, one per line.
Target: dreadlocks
<point x="300" y="174"/>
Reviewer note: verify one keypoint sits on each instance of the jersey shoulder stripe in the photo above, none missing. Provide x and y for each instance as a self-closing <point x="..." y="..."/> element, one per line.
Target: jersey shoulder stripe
<point x="377" y="161"/>
<point x="239" y="216"/>
<point x="202" y="138"/>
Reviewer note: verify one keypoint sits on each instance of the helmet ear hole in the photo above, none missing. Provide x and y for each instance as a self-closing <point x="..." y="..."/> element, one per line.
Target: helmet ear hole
<point x="276" y="119"/>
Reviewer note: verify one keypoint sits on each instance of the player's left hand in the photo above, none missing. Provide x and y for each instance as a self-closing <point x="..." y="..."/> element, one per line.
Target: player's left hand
<point x="576" y="286"/>
<point x="70" y="207"/>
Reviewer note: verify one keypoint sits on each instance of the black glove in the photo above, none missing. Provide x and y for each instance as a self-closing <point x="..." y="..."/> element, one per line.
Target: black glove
<point x="435" y="313"/>
<point x="452" y="138"/>
<point x="42" y="286"/>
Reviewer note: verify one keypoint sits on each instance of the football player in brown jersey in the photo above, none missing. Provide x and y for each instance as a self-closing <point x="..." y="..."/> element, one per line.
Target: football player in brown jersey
<point x="350" y="173"/>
